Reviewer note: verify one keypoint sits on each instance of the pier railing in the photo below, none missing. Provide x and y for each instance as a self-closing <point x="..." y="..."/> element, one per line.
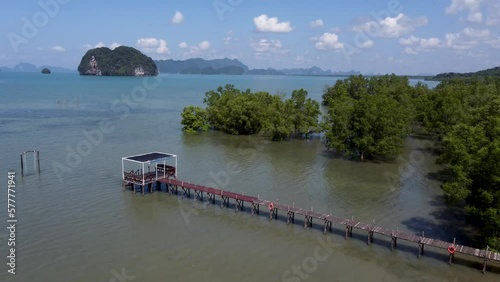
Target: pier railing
<point x="174" y="186"/>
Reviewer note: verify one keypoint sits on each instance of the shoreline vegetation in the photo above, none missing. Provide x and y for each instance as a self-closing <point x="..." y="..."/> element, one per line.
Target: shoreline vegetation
<point x="370" y="117"/>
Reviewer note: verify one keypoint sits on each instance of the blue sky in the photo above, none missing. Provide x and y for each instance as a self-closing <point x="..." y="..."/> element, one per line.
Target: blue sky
<point x="381" y="36"/>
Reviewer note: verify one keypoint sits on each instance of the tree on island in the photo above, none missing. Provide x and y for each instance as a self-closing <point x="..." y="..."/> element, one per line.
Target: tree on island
<point x="368" y="117"/>
<point x="194" y="119"/>
<point x="46" y="71"/>
<point x="244" y="113"/>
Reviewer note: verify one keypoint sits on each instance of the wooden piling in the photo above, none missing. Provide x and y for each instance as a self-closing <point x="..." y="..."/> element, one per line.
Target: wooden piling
<point x="22" y="166"/>
<point x="370" y="237"/>
<point x="38" y="161"/>
<point x="394" y="242"/>
<point x="327" y="226"/>
<point x="485" y="262"/>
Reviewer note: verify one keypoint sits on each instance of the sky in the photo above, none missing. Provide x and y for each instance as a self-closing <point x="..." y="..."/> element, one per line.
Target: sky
<point x="375" y="36"/>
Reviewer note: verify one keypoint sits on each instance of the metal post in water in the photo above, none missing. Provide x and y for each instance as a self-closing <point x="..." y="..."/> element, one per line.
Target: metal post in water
<point x="38" y="160"/>
<point x="22" y="166"/>
<point x="25" y="162"/>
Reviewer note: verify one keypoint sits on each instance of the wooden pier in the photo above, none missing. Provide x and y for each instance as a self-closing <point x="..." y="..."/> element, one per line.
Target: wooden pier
<point x="200" y="192"/>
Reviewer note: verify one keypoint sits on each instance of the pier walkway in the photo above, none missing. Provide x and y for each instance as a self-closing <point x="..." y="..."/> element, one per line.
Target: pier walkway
<point x="200" y="192"/>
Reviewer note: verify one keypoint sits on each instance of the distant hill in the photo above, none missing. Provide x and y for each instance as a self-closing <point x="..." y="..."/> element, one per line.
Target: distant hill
<point x="26" y="67"/>
<point x="228" y="66"/>
<point x="318" y="71"/>
<point x="268" y="71"/>
<point x="121" y="61"/>
<point x="482" y="73"/>
<point x="201" y="66"/>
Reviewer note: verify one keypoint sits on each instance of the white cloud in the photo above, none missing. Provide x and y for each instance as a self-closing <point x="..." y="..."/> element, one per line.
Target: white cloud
<point x="366" y="44"/>
<point x="328" y="41"/>
<point x="263" y="23"/>
<point x="430" y="42"/>
<point x="476" y="17"/>
<point x="415" y="44"/>
<point x="194" y="50"/>
<point x="410" y="51"/>
<point x="265" y="45"/>
<point x="409" y="41"/>
<point x="114" y="45"/>
<point x="316" y="23"/>
<point x="473" y="7"/>
<point x="229" y="37"/>
<point x="177" y="18"/>
<point x="153" y="46"/>
<point x="460" y="5"/>
<point x="58" y="48"/>
<point x="476" y="33"/>
<point x="204" y="45"/>
<point x="466" y="39"/>
<point x="458" y="41"/>
<point x="391" y="27"/>
<point x="422" y="43"/>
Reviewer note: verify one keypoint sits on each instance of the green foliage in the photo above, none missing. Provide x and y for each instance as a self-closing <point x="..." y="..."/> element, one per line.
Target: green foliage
<point x="304" y="114"/>
<point x="244" y="113"/>
<point x="493" y="72"/>
<point x="465" y="114"/>
<point x="354" y="86"/>
<point x="233" y="111"/>
<point x="194" y="119"/>
<point x="122" y="61"/>
<point x="368" y="117"/>
<point x="278" y="123"/>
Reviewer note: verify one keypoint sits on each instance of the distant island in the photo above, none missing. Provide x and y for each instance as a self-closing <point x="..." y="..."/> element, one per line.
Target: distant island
<point x="26" y="67"/>
<point x="235" y="67"/>
<point x="201" y="66"/>
<point x="46" y="71"/>
<point x="121" y="61"/>
<point x="129" y="61"/>
<point x="493" y="72"/>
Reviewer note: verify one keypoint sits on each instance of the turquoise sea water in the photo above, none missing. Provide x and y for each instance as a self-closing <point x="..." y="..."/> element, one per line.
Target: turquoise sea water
<point x="76" y="224"/>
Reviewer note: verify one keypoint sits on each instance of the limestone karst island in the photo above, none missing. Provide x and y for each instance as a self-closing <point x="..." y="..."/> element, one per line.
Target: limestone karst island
<point x="121" y="61"/>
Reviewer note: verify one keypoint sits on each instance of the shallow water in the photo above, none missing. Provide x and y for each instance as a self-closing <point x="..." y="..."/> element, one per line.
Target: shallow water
<point x="80" y="226"/>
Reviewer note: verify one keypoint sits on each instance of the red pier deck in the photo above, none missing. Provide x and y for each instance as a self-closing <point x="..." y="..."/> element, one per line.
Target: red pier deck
<point x="326" y="220"/>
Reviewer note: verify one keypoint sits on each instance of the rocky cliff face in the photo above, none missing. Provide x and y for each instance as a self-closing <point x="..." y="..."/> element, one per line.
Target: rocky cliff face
<point x="122" y="61"/>
<point x="94" y="69"/>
